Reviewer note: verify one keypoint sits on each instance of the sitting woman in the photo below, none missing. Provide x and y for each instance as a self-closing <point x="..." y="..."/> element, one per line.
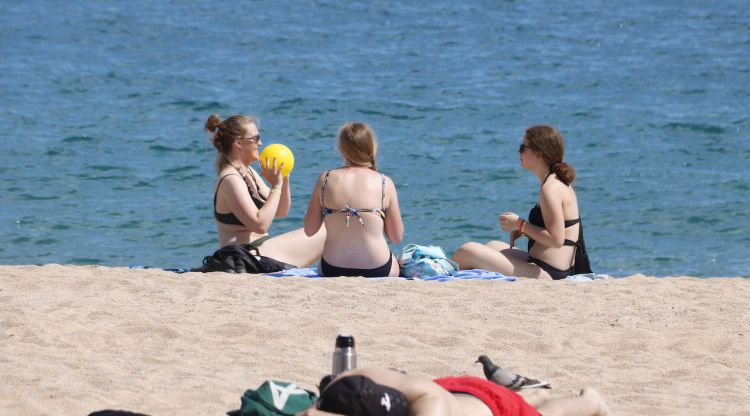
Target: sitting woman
<point x="556" y="248"/>
<point x="244" y="205"/>
<point x="354" y="244"/>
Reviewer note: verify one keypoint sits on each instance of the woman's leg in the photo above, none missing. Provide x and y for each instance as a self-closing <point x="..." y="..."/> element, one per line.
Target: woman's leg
<point x="499" y="257"/>
<point x="295" y="247"/>
<point x="395" y="268"/>
<point x="535" y="397"/>
<point x="589" y="403"/>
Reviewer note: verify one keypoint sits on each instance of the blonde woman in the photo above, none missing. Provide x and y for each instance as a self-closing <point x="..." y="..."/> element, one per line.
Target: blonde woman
<point x="359" y="207"/>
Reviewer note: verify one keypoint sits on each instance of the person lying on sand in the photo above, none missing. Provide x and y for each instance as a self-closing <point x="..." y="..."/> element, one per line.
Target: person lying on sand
<point x="380" y="391"/>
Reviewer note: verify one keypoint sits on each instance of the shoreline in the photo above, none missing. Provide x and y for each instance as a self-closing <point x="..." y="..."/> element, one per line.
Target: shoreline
<point x="80" y="339"/>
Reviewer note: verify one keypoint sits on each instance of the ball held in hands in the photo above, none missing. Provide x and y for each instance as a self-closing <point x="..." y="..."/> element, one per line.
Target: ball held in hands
<point x="282" y="154"/>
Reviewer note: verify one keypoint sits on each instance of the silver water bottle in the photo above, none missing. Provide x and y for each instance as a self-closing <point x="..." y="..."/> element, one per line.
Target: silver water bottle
<point x="344" y="356"/>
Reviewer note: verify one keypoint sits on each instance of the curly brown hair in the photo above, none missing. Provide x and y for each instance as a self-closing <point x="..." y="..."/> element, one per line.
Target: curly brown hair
<point x="549" y="144"/>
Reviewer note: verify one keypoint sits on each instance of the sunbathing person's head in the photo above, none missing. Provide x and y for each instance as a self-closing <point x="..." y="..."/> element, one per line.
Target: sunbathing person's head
<point x="358" y="145"/>
<point x="360" y="396"/>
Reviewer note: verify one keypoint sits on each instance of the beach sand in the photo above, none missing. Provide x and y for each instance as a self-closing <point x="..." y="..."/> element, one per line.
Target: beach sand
<point x="80" y="339"/>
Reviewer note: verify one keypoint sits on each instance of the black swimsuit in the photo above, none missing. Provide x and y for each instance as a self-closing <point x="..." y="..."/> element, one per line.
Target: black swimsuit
<point x="536" y="218"/>
<point x="230" y="218"/>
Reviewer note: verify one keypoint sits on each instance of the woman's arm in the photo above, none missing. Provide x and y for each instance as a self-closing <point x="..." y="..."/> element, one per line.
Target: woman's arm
<point x="243" y="207"/>
<point x="313" y="217"/>
<point x="393" y="226"/>
<point x="286" y="199"/>
<point x="285" y="203"/>
<point x="553" y="233"/>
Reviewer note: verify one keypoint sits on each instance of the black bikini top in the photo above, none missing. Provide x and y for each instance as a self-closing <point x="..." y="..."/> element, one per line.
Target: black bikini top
<point x="536" y="218"/>
<point x="258" y="200"/>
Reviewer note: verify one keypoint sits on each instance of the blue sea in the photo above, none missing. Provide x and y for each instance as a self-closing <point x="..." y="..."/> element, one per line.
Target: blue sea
<point x="102" y="104"/>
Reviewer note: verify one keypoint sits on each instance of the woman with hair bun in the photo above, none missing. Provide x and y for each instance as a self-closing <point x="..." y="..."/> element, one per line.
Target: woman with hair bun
<point x="244" y="205"/>
<point x="357" y="204"/>
<point x="556" y="248"/>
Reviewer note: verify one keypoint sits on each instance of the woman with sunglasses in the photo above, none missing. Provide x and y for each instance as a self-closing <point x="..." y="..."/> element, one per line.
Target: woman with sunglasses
<point x="556" y="248"/>
<point x="244" y="205"/>
<point x="359" y="207"/>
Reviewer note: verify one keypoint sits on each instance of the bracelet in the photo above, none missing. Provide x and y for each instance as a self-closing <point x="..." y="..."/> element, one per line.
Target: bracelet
<point x="274" y="191"/>
<point x="521" y="225"/>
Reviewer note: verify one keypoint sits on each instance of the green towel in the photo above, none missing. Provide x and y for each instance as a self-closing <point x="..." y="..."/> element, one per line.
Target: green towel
<point x="275" y="398"/>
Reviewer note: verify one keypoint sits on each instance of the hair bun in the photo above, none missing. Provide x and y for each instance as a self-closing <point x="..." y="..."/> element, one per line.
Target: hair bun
<point x="212" y="123"/>
<point x="564" y="172"/>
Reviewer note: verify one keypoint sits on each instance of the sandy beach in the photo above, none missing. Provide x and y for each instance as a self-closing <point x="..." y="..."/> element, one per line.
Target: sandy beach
<point x="80" y="339"/>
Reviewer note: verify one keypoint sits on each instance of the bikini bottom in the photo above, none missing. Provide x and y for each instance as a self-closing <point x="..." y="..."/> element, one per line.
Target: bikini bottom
<point x="554" y="272"/>
<point x="256" y="243"/>
<point x="331" y="271"/>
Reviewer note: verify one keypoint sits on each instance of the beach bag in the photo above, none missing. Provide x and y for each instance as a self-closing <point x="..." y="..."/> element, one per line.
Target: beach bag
<point x="418" y="261"/>
<point x="275" y="398"/>
<point x="239" y="259"/>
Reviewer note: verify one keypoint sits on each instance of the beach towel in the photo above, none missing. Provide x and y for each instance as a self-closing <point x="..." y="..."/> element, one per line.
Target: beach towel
<point x="312" y="273"/>
<point x="475" y="274"/>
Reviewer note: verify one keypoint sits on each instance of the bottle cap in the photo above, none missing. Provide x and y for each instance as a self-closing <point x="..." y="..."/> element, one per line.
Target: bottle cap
<point x="344" y="341"/>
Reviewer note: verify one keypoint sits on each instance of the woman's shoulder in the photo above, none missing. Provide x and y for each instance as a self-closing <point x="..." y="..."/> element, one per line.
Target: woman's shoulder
<point x="357" y="173"/>
<point x="229" y="177"/>
<point x="554" y="188"/>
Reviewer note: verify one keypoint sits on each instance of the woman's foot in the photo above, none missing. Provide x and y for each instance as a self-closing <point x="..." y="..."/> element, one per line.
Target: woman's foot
<point x="595" y="398"/>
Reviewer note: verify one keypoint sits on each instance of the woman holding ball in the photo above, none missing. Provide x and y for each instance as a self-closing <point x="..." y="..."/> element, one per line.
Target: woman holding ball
<point x="244" y="205"/>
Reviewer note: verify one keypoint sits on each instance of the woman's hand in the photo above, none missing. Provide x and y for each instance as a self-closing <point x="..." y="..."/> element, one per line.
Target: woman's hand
<point x="515" y="234"/>
<point x="271" y="172"/>
<point x="509" y="221"/>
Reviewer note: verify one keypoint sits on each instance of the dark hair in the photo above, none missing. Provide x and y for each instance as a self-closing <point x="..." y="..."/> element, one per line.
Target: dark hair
<point x="549" y="144"/>
<point x="358" y="144"/>
<point x="224" y="133"/>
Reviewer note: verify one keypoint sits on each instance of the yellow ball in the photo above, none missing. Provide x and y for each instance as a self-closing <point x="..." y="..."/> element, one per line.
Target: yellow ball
<point x="282" y="154"/>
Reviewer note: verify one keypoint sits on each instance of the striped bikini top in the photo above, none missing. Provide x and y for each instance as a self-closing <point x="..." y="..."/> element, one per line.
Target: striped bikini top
<point x="349" y="211"/>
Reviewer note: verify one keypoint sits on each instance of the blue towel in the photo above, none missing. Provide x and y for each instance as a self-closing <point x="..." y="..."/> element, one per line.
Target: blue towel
<point x="473" y="274"/>
<point x="310" y="272"/>
<point x="460" y="275"/>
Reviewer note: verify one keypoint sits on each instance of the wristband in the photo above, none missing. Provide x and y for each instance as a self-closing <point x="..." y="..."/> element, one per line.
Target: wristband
<point x="274" y="191"/>
<point x="521" y="224"/>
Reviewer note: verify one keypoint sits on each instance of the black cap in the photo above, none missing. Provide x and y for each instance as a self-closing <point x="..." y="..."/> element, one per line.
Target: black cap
<point x="360" y="396"/>
<point x="344" y="341"/>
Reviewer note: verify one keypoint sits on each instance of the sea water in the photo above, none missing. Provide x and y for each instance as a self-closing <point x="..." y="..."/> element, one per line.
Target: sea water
<point x="102" y="104"/>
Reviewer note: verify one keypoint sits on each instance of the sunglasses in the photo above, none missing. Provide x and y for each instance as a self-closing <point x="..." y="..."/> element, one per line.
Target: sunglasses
<point x="255" y="139"/>
<point x="522" y="148"/>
